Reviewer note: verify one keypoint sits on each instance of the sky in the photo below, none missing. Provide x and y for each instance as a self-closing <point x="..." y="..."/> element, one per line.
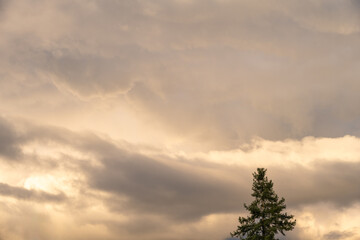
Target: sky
<point x="138" y="119"/>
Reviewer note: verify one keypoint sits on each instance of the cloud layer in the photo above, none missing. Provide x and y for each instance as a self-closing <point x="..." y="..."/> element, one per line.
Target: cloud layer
<point x="119" y="187"/>
<point x="210" y="71"/>
<point x="121" y="114"/>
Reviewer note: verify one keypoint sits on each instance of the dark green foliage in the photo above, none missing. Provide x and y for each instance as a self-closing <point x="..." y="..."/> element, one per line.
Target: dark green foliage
<point x="266" y="218"/>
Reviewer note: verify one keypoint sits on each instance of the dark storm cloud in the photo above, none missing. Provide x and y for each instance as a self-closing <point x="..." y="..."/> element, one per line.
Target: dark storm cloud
<point x="30" y="195"/>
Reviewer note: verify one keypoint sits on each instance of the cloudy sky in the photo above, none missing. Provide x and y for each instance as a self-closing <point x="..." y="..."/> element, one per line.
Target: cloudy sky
<point x="139" y="119"/>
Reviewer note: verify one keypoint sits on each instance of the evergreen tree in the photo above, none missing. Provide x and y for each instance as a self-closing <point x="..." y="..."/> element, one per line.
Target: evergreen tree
<point x="266" y="218"/>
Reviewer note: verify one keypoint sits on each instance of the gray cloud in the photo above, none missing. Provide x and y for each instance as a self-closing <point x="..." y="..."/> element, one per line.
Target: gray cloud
<point x="206" y="74"/>
<point x="169" y="191"/>
<point x="31" y="195"/>
<point x="178" y="191"/>
<point x="334" y="235"/>
<point x="9" y="141"/>
<point x="333" y="182"/>
<point x="203" y="64"/>
<point x="146" y="185"/>
<point x="93" y="74"/>
<point x="3" y="4"/>
<point x="185" y="189"/>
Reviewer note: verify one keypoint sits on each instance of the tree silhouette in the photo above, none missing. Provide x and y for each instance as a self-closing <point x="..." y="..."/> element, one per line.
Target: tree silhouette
<point x="266" y="218"/>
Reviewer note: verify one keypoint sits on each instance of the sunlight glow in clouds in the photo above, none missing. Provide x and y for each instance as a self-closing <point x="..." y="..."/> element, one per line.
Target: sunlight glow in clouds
<point x="305" y="152"/>
<point x="145" y="119"/>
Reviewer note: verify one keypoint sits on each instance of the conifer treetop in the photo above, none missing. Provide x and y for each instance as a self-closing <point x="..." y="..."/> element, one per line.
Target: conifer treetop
<point x="266" y="217"/>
